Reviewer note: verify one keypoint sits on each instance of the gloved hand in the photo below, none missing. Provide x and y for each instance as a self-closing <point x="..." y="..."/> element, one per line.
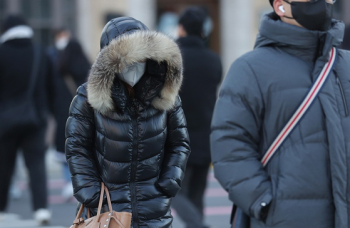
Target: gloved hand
<point x="156" y="69"/>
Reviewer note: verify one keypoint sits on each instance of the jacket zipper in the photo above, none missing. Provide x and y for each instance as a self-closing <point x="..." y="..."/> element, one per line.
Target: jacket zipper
<point x="343" y="96"/>
<point x="135" y="216"/>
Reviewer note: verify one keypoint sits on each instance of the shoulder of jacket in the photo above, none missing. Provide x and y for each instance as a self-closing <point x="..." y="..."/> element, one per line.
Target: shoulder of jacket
<point x="343" y="63"/>
<point x="262" y="56"/>
<point x="345" y="54"/>
<point x="215" y="56"/>
<point x="178" y="101"/>
<point x="82" y="90"/>
<point x="177" y="104"/>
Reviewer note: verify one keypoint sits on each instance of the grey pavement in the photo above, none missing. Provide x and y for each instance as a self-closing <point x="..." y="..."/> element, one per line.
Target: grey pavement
<point x="217" y="204"/>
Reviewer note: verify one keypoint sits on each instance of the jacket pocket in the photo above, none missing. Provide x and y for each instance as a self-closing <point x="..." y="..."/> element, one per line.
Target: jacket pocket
<point x="273" y="171"/>
<point x="341" y="89"/>
<point x="270" y="219"/>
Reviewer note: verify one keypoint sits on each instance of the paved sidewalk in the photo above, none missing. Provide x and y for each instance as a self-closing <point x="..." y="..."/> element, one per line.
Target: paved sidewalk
<point x="14" y="221"/>
<point x="217" y="209"/>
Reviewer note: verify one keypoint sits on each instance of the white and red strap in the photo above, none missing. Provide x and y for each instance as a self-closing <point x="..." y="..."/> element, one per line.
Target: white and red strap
<point x="302" y="108"/>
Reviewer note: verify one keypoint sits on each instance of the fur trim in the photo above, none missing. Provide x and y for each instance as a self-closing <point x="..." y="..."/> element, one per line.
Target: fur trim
<point x="128" y="49"/>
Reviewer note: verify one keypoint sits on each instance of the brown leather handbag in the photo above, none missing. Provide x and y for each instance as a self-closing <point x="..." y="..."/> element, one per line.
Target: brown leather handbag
<point x="109" y="219"/>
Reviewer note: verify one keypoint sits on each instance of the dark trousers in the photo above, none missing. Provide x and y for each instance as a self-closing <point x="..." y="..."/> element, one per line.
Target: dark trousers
<point x="188" y="203"/>
<point x="32" y="144"/>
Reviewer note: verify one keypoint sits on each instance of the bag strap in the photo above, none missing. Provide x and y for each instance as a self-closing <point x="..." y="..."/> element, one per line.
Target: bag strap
<point x="103" y="190"/>
<point x="35" y="69"/>
<point x="299" y="113"/>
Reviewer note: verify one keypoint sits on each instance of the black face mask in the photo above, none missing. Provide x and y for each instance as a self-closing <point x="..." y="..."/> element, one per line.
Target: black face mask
<point x="314" y="15"/>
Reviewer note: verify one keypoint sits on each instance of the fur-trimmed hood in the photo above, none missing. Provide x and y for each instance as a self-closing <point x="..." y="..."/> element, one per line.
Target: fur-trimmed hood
<point x="128" y="49"/>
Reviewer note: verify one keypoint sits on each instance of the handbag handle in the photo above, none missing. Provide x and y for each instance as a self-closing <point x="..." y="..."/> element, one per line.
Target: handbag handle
<point x="103" y="190"/>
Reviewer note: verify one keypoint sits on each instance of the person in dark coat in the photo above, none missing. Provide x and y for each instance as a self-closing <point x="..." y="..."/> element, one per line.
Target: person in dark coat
<point x="126" y="126"/>
<point x="73" y="68"/>
<point x="16" y="65"/>
<point x="306" y="182"/>
<point x="202" y="75"/>
<point x="346" y="42"/>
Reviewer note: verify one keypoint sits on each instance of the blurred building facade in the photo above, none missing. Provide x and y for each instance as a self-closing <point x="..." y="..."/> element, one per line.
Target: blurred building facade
<point x="235" y="22"/>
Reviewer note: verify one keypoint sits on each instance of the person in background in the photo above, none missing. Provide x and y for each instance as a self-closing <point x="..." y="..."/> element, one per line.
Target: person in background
<point x="346" y="41"/>
<point x="306" y="182"/>
<point x="73" y="68"/>
<point x="202" y="75"/>
<point x="17" y="61"/>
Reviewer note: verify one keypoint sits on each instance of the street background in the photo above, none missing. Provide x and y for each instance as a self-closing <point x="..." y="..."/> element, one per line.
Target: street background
<point x="235" y="25"/>
<point x="217" y="211"/>
<point x="235" y="22"/>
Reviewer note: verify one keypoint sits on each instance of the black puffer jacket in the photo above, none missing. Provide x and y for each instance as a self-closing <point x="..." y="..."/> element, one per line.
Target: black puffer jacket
<point x="137" y="147"/>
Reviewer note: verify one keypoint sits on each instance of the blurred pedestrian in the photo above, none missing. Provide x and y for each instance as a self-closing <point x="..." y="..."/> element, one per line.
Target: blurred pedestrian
<point x="305" y="184"/>
<point x="346" y="42"/>
<point x="126" y="126"/>
<point x="26" y="98"/>
<point x="73" y="67"/>
<point x="202" y="75"/>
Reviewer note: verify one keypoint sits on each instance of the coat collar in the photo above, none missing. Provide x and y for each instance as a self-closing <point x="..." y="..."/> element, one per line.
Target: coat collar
<point x="301" y="42"/>
<point x="106" y="92"/>
<point x="191" y="41"/>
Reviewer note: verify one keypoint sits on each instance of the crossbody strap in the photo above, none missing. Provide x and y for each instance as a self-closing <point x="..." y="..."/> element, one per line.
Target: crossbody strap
<point x="35" y="70"/>
<point x="299" y="113"/>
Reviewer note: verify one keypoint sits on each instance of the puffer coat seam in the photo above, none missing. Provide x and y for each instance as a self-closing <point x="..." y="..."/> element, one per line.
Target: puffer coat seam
<point x="298" y="143"/>
<point x="149" y="157"/>
<point x="178" y="153"/>
<point x="112" y="139"/>
<point x="180" y="127"/>
<point x="117" y="162"/>
<point x="175" y="166"/>
<point x="143" y="200"/>
<point x="257" y="81"/>
<point x="155" y="115"/>
<point x="157" y="218"/>
<point x="153" y="136"/>
<point x="245" y="179"/>
<point x="103" y="157"/>
<point x="75" y="135"/>
<point x="80" y="117"/>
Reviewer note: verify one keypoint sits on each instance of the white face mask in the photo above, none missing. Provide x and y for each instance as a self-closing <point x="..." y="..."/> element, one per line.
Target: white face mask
<point x="62" y="43"/>
<point x="133" y="73"/>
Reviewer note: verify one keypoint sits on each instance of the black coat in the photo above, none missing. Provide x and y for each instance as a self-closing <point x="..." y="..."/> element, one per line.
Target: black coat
<point x="346" y="42"/>
<point x="202" y="75"/>
<point x="16" y="60"/>
<point x="137" y="146"/>
<point x="306" y="182"/>
<point x="70" y="62"/>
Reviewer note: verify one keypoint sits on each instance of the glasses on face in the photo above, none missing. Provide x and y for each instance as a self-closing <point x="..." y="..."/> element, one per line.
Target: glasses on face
<point x="329" y="1"/>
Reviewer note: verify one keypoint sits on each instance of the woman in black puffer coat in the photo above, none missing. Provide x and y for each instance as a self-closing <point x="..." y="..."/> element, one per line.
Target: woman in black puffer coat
<point x="132" y="138"/>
